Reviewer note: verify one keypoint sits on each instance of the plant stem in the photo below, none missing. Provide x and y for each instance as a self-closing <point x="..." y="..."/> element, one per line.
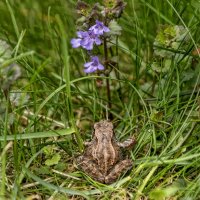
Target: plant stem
<point x="107" y="80"/>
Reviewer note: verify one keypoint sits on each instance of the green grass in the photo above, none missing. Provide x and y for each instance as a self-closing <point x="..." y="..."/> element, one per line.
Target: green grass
<point x="51" y="107"/>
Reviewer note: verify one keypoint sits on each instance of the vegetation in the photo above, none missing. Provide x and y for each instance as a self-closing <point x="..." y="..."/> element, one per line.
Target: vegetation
<point x="48" y="104"/>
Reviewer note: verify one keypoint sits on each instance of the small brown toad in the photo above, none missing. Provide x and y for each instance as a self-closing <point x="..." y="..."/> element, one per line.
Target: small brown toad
<point x="102" y="157"/>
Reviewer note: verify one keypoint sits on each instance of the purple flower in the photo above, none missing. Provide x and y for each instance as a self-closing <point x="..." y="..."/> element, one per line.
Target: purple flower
<point x="89" y="39"/>
<point x="99" y="28"/>
<point x="93" y="66"/>
<point x="86" y="39"/>
<point x="76" y="42"/>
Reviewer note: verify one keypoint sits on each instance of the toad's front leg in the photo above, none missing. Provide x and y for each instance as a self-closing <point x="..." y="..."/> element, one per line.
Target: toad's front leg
<point x="90" y="168"/>
<point x="129" y="143"/>
<point x="118" y="169"/>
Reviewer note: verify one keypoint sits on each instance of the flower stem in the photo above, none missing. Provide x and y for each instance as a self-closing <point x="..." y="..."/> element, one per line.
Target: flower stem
<point x="107" y="80"/>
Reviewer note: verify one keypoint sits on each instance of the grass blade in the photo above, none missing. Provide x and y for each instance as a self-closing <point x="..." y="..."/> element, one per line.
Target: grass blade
<point x="44" y="134"/>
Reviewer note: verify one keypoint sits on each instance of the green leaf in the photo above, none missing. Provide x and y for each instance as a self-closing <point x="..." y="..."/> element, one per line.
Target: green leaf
<point x="54" y="160"/>
<point x="170" y="30"/>
<point x="48" y="150"/>
<point x="188" y="75"/>
<point x="160" y="38"/>
<point x="43" y="170"/>
<point x="60" y="166"/>
<point x="157" y="194"/>
<point x="115" y="28"/>
<point x="163" y="193"/>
